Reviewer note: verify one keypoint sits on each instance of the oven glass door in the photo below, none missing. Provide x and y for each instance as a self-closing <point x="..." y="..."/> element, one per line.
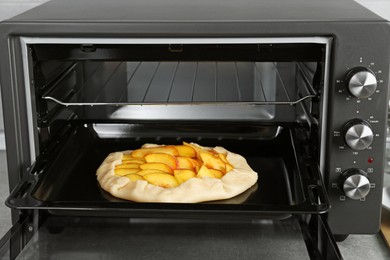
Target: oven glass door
<point x="297" y="237"/>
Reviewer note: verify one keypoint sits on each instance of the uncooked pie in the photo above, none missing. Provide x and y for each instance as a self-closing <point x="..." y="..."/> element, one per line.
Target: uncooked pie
<point x="187" y="173"/>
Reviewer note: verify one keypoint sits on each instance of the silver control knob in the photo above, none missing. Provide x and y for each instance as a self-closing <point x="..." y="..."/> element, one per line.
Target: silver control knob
<point x="358" y="134"/>
<point x="355" y="184"/>
<point x="361" y="82"/>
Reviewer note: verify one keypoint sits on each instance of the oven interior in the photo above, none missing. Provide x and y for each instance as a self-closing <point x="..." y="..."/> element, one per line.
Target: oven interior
<point x="263" y="101"/>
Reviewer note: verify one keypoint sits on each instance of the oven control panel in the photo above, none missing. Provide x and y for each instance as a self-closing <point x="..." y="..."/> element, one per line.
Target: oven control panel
<point x="358" y="126"/>
<point x="358" y="136"/>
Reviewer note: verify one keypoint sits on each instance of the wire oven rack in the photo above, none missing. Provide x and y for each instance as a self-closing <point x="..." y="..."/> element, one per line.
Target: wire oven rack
<point x="195" y="83"/>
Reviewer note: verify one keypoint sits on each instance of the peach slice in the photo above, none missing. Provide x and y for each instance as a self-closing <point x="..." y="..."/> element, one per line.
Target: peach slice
<point x="212" y="161"/>
<point x="183" y="175"/>
<point x="206" y="172"/>
<point x="156" y="166"/>
<point x="134" y="177"/>
<point x="186" y="151"/>
<point x="142" y="152"/>
<point x="127" y="156"/>
<point x="162" y="158"/>
<point x="149" y="171"/>
<point x="134" y="160"/>
<point x="197" y="168"/>
<point x="127" y="166"/>
<point x="196" y="164"/>
<point x="217" y="173"/>
<point x="197" y="149"/>
<point x="184" y="163"/>
<point x="223" y="157"/>
<point x="229" y="167"/>
<point x="163" y="180"/>
<point x="122" y="172"/>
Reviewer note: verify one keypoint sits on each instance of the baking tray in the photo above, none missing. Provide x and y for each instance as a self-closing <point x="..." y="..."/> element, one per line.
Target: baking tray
<point x="64" y="181"/>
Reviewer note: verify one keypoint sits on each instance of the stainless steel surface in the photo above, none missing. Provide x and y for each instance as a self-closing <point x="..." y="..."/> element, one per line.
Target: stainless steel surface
<point x="359" y="136"/>
<point x="30" y="114"/>
<point x="356" y="186"/>
<point x="324" y="112"/>
<point x="362" y="83"/>
<point x="133" y="131"/>
<point x="208" y="40"/>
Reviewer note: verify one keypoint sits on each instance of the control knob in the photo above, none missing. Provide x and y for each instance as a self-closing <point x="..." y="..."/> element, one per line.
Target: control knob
<point x="358" y="134"/>
<point x="355" y="184"/>
<point x="361" y="82"/>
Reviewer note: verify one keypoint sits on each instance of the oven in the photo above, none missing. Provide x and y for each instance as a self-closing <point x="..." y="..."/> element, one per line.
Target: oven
<point x="301" y="94"/>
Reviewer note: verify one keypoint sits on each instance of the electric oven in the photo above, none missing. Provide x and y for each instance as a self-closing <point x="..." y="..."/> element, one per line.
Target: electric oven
<point x="299" y="88"/>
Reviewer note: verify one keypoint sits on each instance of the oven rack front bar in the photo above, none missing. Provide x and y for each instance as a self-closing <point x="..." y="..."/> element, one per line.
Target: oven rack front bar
<point x="184" y="103"/>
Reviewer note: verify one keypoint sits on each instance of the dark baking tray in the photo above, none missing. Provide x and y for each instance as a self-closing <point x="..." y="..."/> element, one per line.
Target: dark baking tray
<point x="65" y="182"/>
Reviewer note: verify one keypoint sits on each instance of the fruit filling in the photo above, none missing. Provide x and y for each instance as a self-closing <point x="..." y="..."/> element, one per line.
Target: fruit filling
<point x="170" y="165"/>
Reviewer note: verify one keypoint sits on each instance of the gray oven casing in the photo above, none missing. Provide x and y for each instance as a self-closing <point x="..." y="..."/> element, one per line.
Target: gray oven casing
<point x="358" y="38"/>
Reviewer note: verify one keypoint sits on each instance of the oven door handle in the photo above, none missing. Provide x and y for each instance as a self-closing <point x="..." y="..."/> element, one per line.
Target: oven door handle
<point x="317" y="196"/>
<point x="316" y="192"/>
<point x="20" y="195"/>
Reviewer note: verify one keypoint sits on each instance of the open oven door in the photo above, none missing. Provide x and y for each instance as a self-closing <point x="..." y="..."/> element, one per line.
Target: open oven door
<point x="298" y="237"/>
<point x="282" y="217"/>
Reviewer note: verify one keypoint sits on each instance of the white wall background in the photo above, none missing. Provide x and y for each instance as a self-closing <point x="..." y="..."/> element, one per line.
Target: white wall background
<point x="380" y="7"/>
<point x="10" y="8"/>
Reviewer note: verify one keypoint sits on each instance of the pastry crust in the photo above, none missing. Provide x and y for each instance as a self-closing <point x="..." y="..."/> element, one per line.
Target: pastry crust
<point x="194" y="190"/>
